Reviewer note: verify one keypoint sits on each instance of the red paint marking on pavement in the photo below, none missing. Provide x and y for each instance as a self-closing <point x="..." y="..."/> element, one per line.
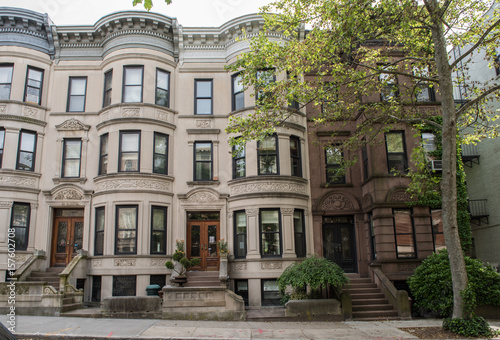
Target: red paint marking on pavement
<point x="260" y="331"/>
<point x="109" y="335"/>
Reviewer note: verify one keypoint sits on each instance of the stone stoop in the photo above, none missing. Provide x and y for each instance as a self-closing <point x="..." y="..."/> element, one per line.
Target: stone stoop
<point x="368" y="301"/>
<point x="50" y="275"/>
<point x="267" y="314"/>
<point x="203" y="279"/>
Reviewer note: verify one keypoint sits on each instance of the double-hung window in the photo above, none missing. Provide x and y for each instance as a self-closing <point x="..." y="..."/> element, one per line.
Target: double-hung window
<point x="299" y="230"/>
<point x="99" y="231"/>
<point x="2" y="141"/>
<point x="240" y="234"/>
<point x="295" y="156"/>
<point x="158" y="230"/>
<point x="5" y="80"/>
<point x="239" y="161"/>
<point x="270" y="231"/>
<point x="160" y="154"/>
<point x="423" y="92"/>
<point x="396" y="152"/>
<point x="203" y="96"/>
<point x="264" y="78"/>
<point x="33" y="89"/>
<point x="333" y="160"/>
<point x="162" y="96"/>
<point x="203" y="164"/>
<point x="26" y="151"/>
<point x="267" y="153"/>
<point x="364" y="159"/>
<point x="77" y="90"/>
<point x="437" y="229"/>
<point x="108" y="86"/>
<point x="389" y="83"/>
<point x="404" y="232"/>
<point x="429" y="141"/>
<point x="103" y="155"/>
<point x="126" y="229"/>
<point x="238" y="100"/>
<point x="20" y="222"/>
<point x="130" y="143"/>
<point x="72" y="152"/>
<point x="132" y="84"/>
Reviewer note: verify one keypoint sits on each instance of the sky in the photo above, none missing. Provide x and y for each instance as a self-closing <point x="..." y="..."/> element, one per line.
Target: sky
<point x="190" y="13"/>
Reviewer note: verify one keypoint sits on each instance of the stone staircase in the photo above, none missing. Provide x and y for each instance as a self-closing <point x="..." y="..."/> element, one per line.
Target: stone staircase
<point x="203" y="279"/>
<point x="368" y="301"/>
<point x="51" y="276"/>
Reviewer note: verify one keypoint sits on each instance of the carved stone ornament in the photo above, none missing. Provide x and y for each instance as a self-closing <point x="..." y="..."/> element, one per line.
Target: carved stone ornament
<point x="337" y="202"/>
<point x="367" y="200"/>
<point x="267" y="187"/>
<point x="124" y="263"/>
<point x="131" y="112"/>
<point x="132" y="184"/>
<point x="240" y="266"/>
<point x="203" y="197"/>
<point x="407" y="267"/>
<point x="203" y="123"/>
<point x="96" y="263"/>
<point x="318" y="219"/>
<point x="48" y="290"/>
<point x="401" y="196"/>
<point x="162" y="115"/>
<point x="104" y="116"/>
<point x="157" y="262"/>
<point x="230" y="215"/>
<point x="21" y="258"/>
<point x="30" y="112"/>
<point x="22" y="290"/>
<point x="72" y="124"/>
<point x="287" y="211"/>
<point x="252" y="212"/>
<point x="3" y="108"/>
<point x="271" y="265"/>
<point x="68" y="194"/>
<point x="5" y="204"/>
<point x="18" y="181"/>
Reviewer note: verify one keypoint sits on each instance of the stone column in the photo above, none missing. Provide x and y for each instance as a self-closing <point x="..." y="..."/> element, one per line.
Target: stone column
<point x="288" y="235"/>
<point x="253" y="233"/>
<point x="284" y="154"/>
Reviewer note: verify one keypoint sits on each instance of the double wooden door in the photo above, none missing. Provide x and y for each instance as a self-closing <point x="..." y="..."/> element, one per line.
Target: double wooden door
<point x="67" y="240"/>
<point x="202" y="239"/>
<point x="339" y="245"/>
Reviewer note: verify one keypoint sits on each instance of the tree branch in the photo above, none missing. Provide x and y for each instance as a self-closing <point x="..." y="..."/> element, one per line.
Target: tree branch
<point x="476" y="100"/>
<point x="473" y="48"/>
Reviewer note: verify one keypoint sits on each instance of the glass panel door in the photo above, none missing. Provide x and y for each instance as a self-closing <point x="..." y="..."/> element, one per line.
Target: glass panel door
<point x="339" y="245"/>
<point x="202" y="243"/>
<point x="67" y="239"/>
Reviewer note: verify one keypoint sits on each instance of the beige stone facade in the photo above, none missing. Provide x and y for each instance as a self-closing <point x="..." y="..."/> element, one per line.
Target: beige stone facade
<point x="114" y="143"/>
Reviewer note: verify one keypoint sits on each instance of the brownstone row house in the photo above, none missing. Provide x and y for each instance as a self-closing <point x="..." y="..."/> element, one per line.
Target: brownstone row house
<point x="113" y="146"/>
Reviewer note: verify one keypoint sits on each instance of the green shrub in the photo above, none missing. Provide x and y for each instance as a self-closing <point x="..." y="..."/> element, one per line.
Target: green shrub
<point x="313" y="272"/>
<point x="432" y="287"/>
<point x="473" y="327"/>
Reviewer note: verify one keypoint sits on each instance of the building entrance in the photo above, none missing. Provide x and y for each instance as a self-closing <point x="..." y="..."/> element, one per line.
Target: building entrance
<point x="339" y="243"/>
<point x="67" y="236"/>
<point x="203" y="233"/>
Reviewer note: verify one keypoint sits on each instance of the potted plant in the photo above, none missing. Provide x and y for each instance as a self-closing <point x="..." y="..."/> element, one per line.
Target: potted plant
<point x="223" y="251"/>
<point x="181" y="264"/>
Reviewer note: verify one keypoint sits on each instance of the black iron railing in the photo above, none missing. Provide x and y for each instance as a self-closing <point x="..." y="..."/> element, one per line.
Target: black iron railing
<point x="477" y="208"/>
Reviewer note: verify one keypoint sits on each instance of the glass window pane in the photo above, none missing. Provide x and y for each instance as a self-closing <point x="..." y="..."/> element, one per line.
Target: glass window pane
<point x="394" y="142"/>
<point x="268" y="144"/>
<point x="132" y="94"/>
<point x="162" y="79"/>
<point x="27" y="141"/>
<point x="133" y="76"/>
<point x="162" y="97"/>
<point x="25" y="161"/>
<point x="158" y="242"/>
<point x="21" y="237"/>
<point x="271" y="244"/>
<point x="429" y="141"/>
<point x="127" y="218"/>
<point x="203" y="89"/>
<point x="159" y="219"/>
<point x="108" y="80"/>
<point x="240" y="167"/>
<point x="204" y="171"/>
<point x="126" y="241"/>
<point x="76" y="103"/>
<point x="294" y="148"/>
<point x="72" y="148"/>
<point x="268" y="165"/>
<point x="297" y="222"/>
<point x="270" y="220"/>
<point x="239" y="101"/>
<point x="129" y="162"/>
<point x="104" y="144"/>
<point x="4" y="92"/>
<point x="78" y="86"/>
<point x="72" y="168"/>
<point x="99" y="219"/>
<point x="34" y="75"/>
<point x="2" y="138"/>
<point x="237" y="85"/>
<point x="204" y="106"/>
<point x="195" y="240"/>
<point x="130" y="142"/>
<point x="20" y="215"/>
<point x="160" y="144"/>
<point x="6" y="74"/>
<point x="203" y="151"/>
<point x="160" y="164"/>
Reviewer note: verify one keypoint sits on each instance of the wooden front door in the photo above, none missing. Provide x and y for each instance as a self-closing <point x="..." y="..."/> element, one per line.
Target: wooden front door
<point x="202" y="238"/>
<point x="339" y="244"/>
<point x="66" y="240"/>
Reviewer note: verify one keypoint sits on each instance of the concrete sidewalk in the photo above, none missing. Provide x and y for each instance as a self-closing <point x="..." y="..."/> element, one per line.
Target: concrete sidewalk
<point x="87" y="328"/>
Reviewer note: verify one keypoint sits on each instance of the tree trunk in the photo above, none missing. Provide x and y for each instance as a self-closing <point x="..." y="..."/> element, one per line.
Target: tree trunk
<point x="449" y="174"/>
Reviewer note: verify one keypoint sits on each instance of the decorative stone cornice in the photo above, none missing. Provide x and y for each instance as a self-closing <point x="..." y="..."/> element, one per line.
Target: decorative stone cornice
<point x="72" y="125"/>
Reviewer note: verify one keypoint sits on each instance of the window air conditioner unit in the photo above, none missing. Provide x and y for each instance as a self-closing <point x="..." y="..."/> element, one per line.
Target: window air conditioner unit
<point x="437" y="165"/>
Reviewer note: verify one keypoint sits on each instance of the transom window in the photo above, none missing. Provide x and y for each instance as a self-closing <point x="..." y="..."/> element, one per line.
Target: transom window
<point x="76" y="94"/>
<point x="267" y="153"/>
<point x="162" y="96"/>
<point x="203" y="161"/>
<point x="5" y="80"/>
<point x="132" y="84"/>
<point x="129" y="151"/>
<point x="33" y="89"/>
<point x="203" y="102"/>
<point x="26" y="151"/>
<point x="71" y="157"/>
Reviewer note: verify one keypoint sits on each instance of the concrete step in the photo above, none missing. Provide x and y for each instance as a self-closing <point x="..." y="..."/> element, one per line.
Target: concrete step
<point x="363" y="290"/>
<point x="70" y="307"/>
<point x="43" y="279"/>
<point x="360" y="280"/>
<point x="203" y="274"/>
<point x="364" y="296"/>
<point x="55" y="269"/>
<point x="367" y="285"/>
<point x="362" y="308"/>
<point x="266" y="314"/>
<point x="201" y="284"/>
<point x="382" y="301"/>
<point x="45" y="274"/>
<point x="84" y="313"/>
<point x="379" y="314"/>
<point x="67" y="300"/>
